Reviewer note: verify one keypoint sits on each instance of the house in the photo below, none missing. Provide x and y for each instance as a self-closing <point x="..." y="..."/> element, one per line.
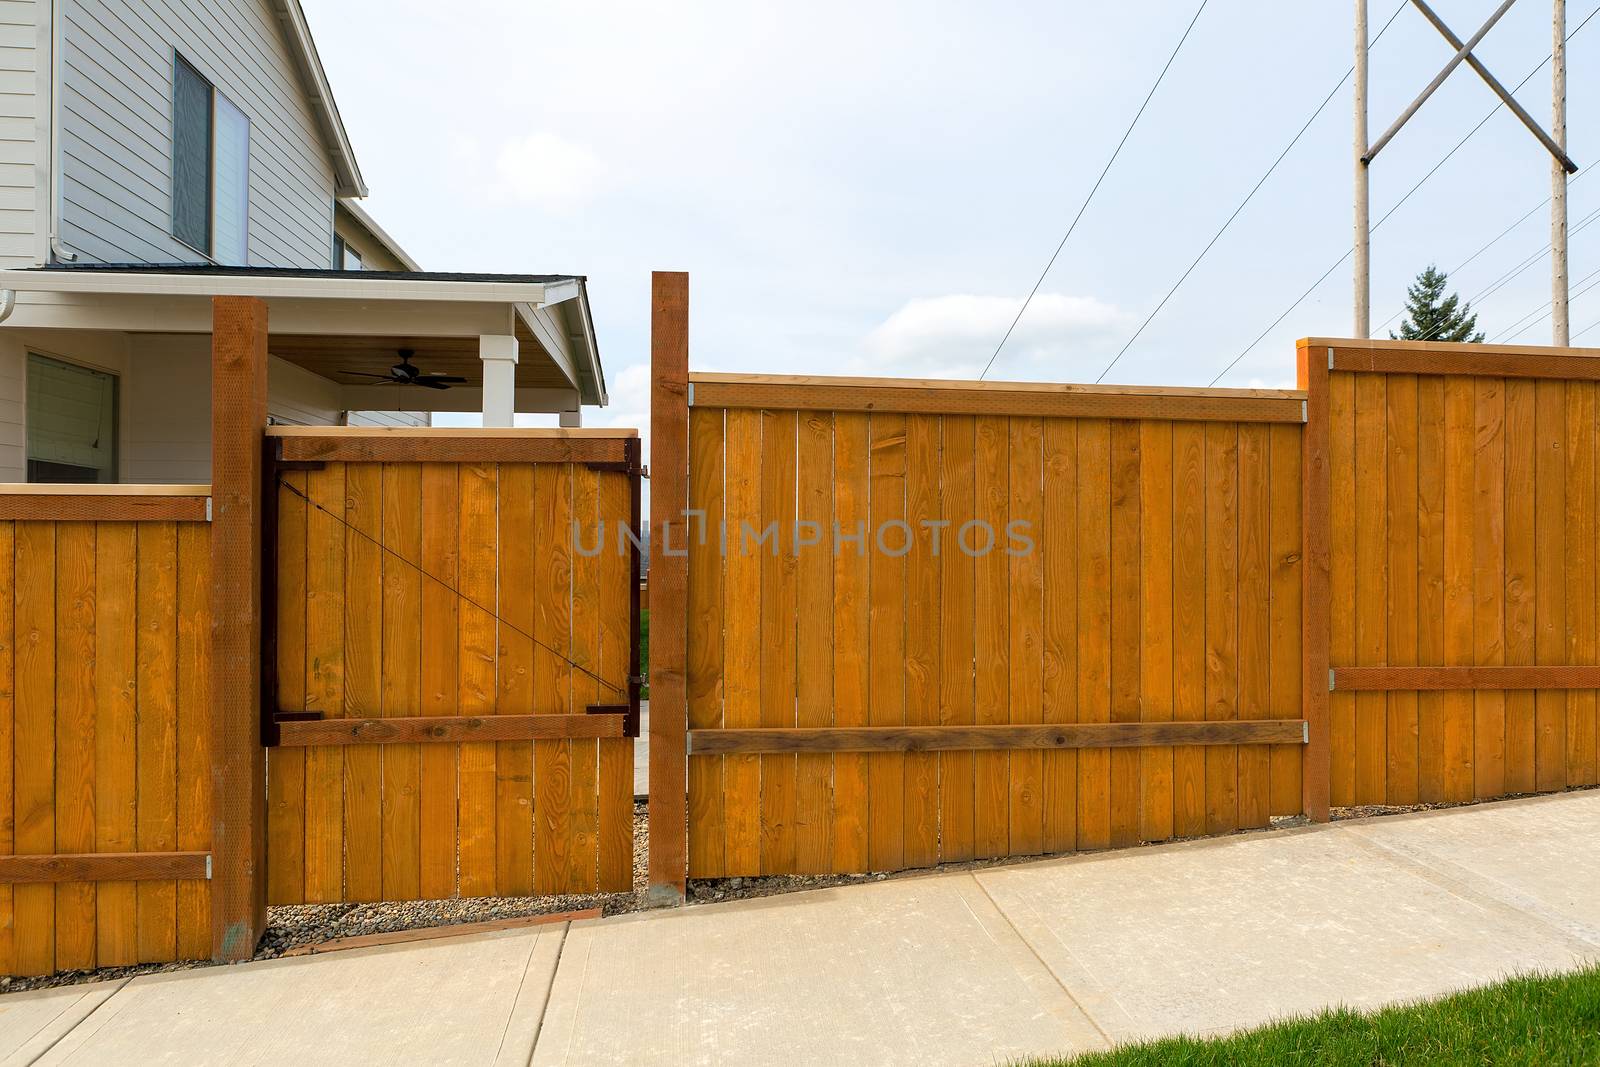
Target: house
<point x="157" y="153"/>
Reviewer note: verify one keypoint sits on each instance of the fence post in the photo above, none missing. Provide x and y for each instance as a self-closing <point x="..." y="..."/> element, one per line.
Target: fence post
<point x="669" y="583"/>
<point x="238" y="825"/>
<point x="1312" y="368"/>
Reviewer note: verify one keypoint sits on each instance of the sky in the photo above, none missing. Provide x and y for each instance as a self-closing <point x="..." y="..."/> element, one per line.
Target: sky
<point x="874" y="187"/>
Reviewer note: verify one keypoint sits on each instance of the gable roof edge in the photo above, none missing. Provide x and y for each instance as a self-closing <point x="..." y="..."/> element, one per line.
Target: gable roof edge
<point x="303" y="52"/>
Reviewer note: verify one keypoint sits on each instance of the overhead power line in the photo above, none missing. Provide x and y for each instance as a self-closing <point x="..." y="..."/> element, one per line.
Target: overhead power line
<point x="1095" y="188"/>
<point x="1245" y="202"/>
<point x="1398" y="204"/>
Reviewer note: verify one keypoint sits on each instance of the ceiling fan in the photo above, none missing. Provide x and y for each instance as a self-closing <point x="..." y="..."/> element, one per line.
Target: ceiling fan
<point x="406" y="373"/>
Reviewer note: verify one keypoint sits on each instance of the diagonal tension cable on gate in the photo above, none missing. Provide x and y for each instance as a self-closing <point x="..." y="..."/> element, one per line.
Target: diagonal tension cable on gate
<point x="513" y="627"/>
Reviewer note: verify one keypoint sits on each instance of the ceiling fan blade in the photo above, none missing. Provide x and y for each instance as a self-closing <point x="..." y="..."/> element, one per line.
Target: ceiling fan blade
<point x="448" y="379"/>
<point x="428" y="383"/>
<point x="367" y="374"/>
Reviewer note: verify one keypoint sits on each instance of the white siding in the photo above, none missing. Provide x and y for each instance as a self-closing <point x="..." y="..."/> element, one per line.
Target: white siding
<point x="116" y="136"/>
<point x="19" y="60"/>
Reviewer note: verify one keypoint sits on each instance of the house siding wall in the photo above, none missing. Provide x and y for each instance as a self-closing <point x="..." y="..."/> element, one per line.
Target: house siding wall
<point x="20" y="104"/>
<point x="116" y="136"/>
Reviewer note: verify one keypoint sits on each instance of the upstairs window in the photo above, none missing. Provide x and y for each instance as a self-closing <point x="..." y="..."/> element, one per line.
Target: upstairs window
<point x="210" y="168"/>
<point x="345" y="257"/>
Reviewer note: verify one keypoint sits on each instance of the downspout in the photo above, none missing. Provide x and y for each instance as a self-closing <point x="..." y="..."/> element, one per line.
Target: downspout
<point x="57" y="252"/>
<point x="8" y="303"/>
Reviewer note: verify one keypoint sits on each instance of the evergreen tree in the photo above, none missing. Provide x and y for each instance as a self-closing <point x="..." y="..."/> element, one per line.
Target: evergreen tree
<point x="1433" y="316"/>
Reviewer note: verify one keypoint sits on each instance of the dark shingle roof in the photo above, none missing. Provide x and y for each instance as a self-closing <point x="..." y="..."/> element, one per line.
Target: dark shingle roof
<point x="299" y="272"/>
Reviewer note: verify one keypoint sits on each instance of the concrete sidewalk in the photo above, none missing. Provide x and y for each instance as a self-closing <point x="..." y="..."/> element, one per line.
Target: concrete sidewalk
<point x="963" y="968"/>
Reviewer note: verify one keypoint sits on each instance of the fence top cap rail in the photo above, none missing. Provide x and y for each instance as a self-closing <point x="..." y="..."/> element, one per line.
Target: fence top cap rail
<point x="956" y="386"/>
<point x="1442" y="347"/>
<point x="78" y="489"/>
<point x="522" y="433"/>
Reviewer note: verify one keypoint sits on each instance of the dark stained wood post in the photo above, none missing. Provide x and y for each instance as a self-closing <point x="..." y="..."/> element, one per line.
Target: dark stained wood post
<point x="1312" y="367"/>
<point x="238" y="774"/>
<point x="669" y="584"/>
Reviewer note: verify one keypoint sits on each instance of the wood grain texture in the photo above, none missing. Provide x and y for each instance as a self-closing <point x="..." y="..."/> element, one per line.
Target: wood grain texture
<point x="704" y="685"/>
<point x="378" y="446"/>
<point x="934" y="397"/>
<point x="669" y="464"/>
<point x="448" y="729"/>
<point x="1019" y="737"/>
<point x="92" y="867"/>
<point x="76" y="507"/>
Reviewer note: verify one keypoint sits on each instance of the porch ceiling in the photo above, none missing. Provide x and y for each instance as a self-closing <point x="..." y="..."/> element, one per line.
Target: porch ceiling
<point x="336" y="357"/>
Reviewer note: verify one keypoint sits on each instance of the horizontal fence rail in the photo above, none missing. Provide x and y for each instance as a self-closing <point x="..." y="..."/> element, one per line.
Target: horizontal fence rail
<point x="993" y="738"/>
<point x="937" y="397"/>
<point x="105" y="503"/>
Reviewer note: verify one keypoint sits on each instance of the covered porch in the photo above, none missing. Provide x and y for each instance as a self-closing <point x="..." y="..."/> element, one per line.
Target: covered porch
<point x="341" y="346"/>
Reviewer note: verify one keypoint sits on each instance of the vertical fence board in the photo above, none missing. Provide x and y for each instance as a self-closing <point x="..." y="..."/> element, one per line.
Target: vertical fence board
<point x="1488" y="598"/>
<point x="1401" y="526"/>
<point x="814" y="693"/>
<point x="1550" y="640"/>
<point x="554" y="850"/>
<point x="1342" y="605"/>
<point x="9" y="592"/>
<point x="704" y="638"/>
<point x="363" y="688"/>
<point x="1254" y="648"/>
<point x="741" y="775"/>
<point x="75" y="735"/>
<point x="1025" y="574"/>
<point x="402" y="677"/>
<point x="886" y="640"/>
<point x="1222" y="619"/>
<point x="991" y="771"/>
<point x="920" y="804"/>
<point x="1458" y="563"/>
<point x="957" y="623"/>
<point x="441" y="617"/>
<point x="1580" y="570"/>
<point x="514" y="689"/>
<point x="1430" y="582"/>
<point x="1372" y="582"/>
<point x="286" y="767"/>
<point x="614" y="787"/>
<point x="778" y="603"/>
<point x="34" y="737"/>
<point x="195" y="803"/>
<point x="1155" y="600"/>
<point x="157" y="823"/>
<point x="1125" y="626"/>
<point x="1286" y="547"/>
<point x="116" y="773"/>
<point x="585" y="689"/>
<point x="1060" y="547"/>
<point x="1094" y="626"/>
<point x="1188" y="622"/>
<point x="851" y="607"/>
<point x="325" y="562"/>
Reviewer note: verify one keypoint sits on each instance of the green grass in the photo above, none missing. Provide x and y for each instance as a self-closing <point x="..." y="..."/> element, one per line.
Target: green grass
<point x="1529" y="1020"/>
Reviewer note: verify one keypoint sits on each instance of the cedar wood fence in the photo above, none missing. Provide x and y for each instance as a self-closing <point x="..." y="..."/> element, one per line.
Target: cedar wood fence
<point x="1379" y="588"/>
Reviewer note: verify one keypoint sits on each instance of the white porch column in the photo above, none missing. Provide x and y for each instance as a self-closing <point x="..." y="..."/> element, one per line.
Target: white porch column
<point x="499" y="355"/>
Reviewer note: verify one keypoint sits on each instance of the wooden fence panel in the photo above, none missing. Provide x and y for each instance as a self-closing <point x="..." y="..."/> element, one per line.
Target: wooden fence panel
<point x="1474" y="470"/>
<point x="104" y="737"/>
<point x="471" y="589"/>
<point x="925" y="569"/>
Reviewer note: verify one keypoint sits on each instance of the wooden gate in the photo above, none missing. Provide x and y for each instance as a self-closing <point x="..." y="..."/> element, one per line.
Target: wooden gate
<point x="455" y="639"/>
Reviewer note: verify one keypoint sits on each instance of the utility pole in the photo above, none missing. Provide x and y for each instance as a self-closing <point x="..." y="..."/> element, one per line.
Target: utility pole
<point x="1561" y="328"/>
<point x="1363" y="234"/>
<point x="1555" y="143"/>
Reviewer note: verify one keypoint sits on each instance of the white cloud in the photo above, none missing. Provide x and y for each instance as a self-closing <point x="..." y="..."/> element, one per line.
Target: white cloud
<point x="549" y="171"/>
<point x="953" y="336"/>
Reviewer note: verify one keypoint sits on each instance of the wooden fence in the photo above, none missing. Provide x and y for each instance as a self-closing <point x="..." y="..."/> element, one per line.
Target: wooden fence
<point x="940" y="557"/>
<point x="446" y="614"/>
<point x="105" y="723"/>
<point x="1462" y="594"/>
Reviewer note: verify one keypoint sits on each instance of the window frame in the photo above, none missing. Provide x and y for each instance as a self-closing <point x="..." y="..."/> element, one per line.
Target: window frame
<point x="113" y="469"/>
<point x="210" y="251"/>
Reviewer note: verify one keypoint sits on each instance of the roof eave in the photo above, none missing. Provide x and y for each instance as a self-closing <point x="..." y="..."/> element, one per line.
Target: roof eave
<point x="303" y="50"/>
